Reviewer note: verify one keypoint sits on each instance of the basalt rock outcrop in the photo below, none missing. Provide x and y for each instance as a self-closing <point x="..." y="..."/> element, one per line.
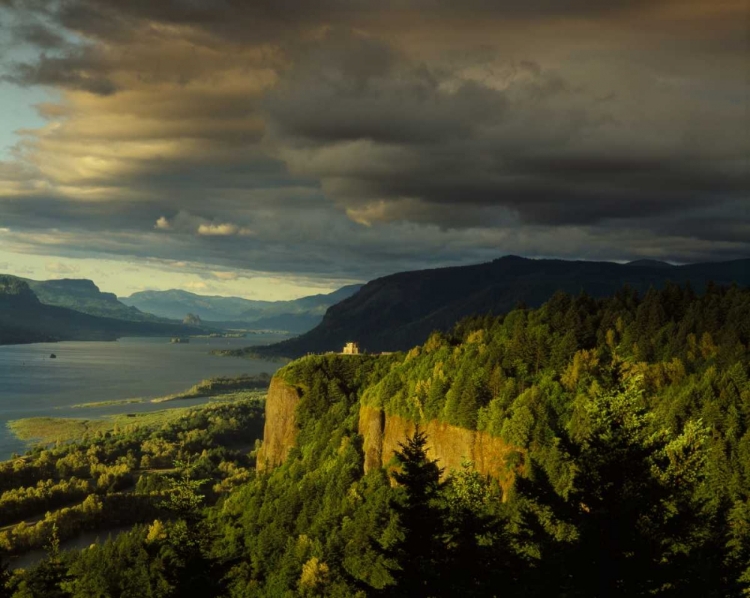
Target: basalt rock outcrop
<point x="449" y="444"/>
<point x="382" y="433"/>
<point x="280" y="428"/>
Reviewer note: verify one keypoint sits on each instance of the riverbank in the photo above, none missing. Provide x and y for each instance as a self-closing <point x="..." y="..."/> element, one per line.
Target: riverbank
<point x="48" y="430"/>
<point x="103" y="379"/>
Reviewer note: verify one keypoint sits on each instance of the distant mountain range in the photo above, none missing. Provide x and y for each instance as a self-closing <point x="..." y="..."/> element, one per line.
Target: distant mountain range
<point x="400" y="311"/>
<point x="72" y="310"/>
<point x="390" y="313"/>
<point x="84" y="296"/>
<point x="298" y="315"/>
<point x="75" y="309"/>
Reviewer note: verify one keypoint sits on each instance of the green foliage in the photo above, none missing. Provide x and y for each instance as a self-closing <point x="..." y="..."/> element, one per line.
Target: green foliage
<point x="220" y="387"/>
<point x="183" y="493"/>
<point x="13" y="287"/>
<point x="639" y="525"/>
<point x="314" y="525"/>
<point x="86" y="485"/>
<point x="627" y="422"/>
<point x="419" y="550"/>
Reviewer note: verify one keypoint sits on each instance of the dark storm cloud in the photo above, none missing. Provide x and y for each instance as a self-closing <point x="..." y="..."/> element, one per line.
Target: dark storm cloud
<point x="350" y="88"/>
<point x="261" y="20"/>
<point x="39" y="35"/>
<point x="538" y="146"/>
<point x="42" y="212"/>
<point x="352" y="138"/>
<point x="76" y="70"/>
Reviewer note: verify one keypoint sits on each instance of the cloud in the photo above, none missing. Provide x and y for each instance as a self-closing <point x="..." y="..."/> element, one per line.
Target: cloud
<point x="162" y="223"/>
<point x="39" y="35"/>
<point x="396" y="135"/>
<point x="348" y="139"/>
<point x="61" y="268"/>
<point x="186" y="222"/>
<point x="225" y="275"/>
<point x="76" y="71"/>
<point x="197" y="286"/>
<point x="222" y="230"/>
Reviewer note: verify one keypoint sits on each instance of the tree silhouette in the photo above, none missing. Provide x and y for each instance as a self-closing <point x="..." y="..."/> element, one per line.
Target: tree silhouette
<point x="421" y="549"/>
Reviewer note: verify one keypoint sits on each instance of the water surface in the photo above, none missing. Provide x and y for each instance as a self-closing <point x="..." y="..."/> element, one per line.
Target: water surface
<point x="32" y="384"/>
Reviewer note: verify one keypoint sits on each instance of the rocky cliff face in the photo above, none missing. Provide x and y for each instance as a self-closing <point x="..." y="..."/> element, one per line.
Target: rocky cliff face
<point x="16" y="291"/>
<point x="382" y="433"/>
<point x="280" y="428"/>
<point x="449" y="444"/>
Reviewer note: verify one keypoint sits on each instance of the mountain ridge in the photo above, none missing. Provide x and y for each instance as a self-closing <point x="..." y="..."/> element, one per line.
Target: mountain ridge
<point x="399" y="311"/>
<point x="25" y="319"/>
<point x="296" y="315"/>
<point x="83" y="295"/>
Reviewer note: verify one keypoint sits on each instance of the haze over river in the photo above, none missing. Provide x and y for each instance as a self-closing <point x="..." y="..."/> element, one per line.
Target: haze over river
<point x="33" y="385"/>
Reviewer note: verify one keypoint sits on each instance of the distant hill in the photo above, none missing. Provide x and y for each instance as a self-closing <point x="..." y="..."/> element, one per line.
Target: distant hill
<point x="399" y="311"/>
<point x="84" y="296"/>
<point x="25" y="319"/>
<point x="293" y="323"/>
<point x="298" y="315"/>
<point x="176" y="304"/>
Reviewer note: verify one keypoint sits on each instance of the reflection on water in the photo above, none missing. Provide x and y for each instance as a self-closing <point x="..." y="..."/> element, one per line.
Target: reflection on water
<point x="32" y="384"/>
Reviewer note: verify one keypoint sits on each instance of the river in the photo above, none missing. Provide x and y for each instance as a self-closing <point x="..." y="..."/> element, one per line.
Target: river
<point x="32" y="384"/>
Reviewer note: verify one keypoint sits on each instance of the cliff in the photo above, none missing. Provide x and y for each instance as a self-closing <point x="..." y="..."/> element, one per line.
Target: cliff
<point x="280" y="428"/>
<point x="382" y="433"/>
<point x="449" y="444"/>
<point x="84" y="296"/>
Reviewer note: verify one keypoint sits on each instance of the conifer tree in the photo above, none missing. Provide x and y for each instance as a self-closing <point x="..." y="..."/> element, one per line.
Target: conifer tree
<point x="421" y="549"/>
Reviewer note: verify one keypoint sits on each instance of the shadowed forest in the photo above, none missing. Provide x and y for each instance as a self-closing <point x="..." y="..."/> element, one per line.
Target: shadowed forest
<point x="629" y="470"/>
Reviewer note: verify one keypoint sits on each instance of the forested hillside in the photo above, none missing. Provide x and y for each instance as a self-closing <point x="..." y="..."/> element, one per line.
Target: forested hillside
<point x="629" y="420"/>
<point x="140" y="470"/>
<point x="399" y="311"/>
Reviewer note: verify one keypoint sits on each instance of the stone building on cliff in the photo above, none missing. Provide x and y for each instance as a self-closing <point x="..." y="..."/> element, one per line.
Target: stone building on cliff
<point x="351" y="349"/>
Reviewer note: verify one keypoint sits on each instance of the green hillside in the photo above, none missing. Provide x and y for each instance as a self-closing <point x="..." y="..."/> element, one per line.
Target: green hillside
<point x="399" y="311"/>
<point x="629" y="423"/>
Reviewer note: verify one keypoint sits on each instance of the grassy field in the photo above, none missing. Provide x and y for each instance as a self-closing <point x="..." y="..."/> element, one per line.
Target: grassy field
<point x="51" y="429"/>
<point x="106" y="403"/>
<point x="223" y="388"/>
<point x="225" y="396"/>
<point x="48" y="430"/>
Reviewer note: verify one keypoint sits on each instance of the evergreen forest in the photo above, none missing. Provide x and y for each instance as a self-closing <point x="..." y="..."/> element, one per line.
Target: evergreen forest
<point x="626" y="421"/>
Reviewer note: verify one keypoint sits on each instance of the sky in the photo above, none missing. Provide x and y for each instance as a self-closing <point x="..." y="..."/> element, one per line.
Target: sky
<point x="277" y="148"/>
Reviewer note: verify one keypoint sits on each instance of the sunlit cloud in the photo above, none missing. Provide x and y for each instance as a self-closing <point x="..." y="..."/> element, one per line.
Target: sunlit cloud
<point x="222" y="230"/>
<point x="334" y="141"/>
<point x="61" y="268"/>
<point x="162" y="223"/>
<point x="225" y="275"/>
<point x="197" y="286"/>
